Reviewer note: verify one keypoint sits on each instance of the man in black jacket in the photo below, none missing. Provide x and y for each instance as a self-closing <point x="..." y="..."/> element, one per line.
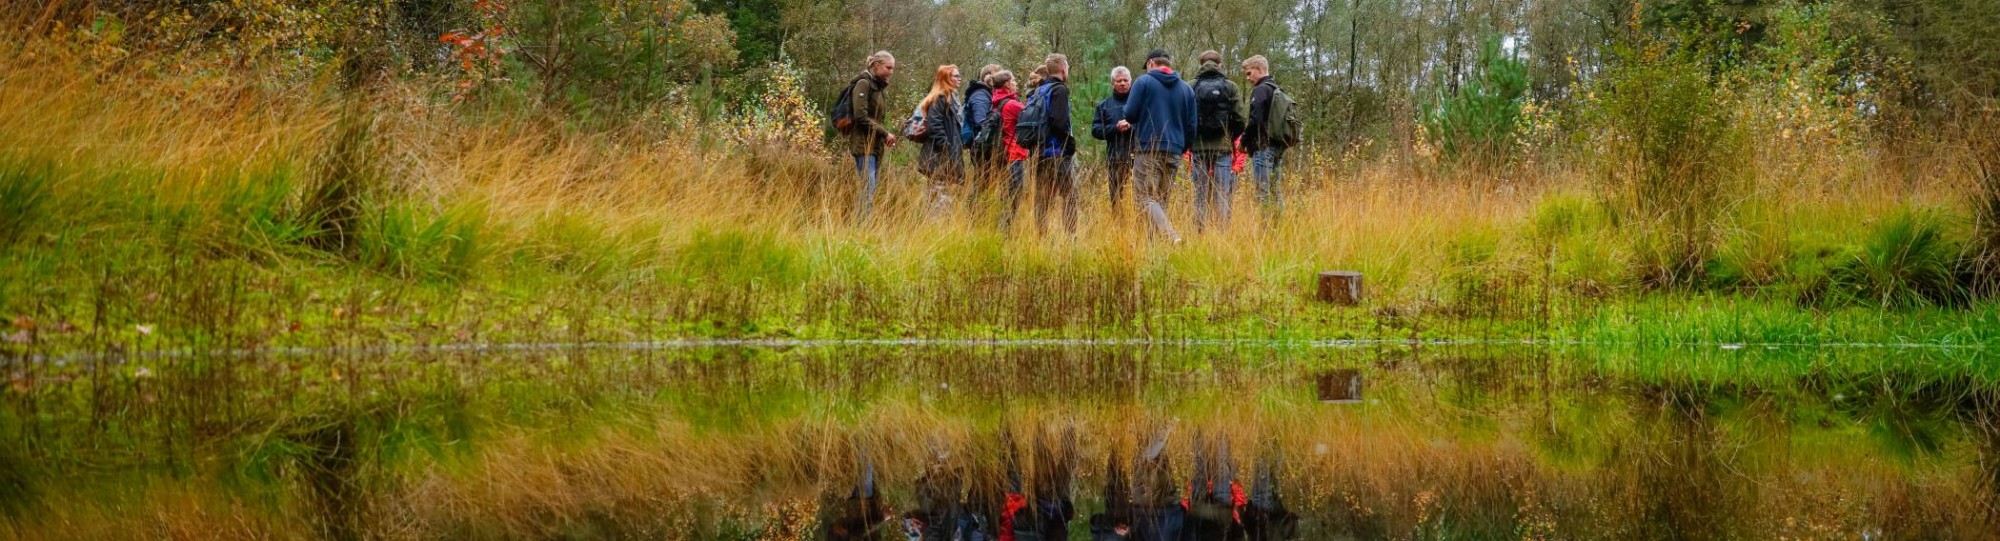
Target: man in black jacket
<point x="1054" y="168"/>
<point x="1117" y="139"/>
<point x="1266" y="159"/>
<point x="1219" y="122"/>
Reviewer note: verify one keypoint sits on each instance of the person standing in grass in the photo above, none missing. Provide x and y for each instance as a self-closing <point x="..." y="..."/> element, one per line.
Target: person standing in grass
<point x="981" y="161"/>
<point x="1056" y="160"/>
<point x="1160" y="113"/>
<point x="868" y="137"/>
<point x="1219" y="123"/>
<point x="1117" y="138"/>
<point x="943" y="156"/>
<point x="1005" y="89"/>
<point x="1267" y="157"/>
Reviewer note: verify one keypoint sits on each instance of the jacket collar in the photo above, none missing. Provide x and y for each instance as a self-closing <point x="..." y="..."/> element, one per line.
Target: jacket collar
<point x="872" y="79"/>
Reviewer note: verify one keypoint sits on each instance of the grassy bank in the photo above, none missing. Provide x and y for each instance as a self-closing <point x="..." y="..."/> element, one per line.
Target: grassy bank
<point x="227" y="216"/>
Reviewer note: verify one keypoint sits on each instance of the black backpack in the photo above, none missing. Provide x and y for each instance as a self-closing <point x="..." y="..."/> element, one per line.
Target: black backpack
<point x="1031" y="128"/>
<point x="842" y="116"/>
<point x="1216" y="107"/>
<point x="989" y="134"/>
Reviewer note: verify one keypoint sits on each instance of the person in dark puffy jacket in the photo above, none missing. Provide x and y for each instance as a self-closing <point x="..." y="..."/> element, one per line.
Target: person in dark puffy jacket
<point x="1160" y="113"/>
<point x="943" y="155"/>
<point x="1117" y="139"/>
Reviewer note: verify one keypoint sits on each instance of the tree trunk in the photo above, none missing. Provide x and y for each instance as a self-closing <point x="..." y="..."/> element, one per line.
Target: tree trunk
<point x="1353" y="45"/>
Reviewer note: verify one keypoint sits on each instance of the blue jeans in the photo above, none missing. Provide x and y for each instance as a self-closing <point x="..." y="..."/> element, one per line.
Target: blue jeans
<point x="1214" y="181"/>
<point x="869" y="167"/>
<point x="1267" y="167"/>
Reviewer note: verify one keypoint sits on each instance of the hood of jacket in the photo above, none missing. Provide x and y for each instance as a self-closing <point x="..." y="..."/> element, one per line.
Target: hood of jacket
<point x="1165" y="77"/>
<point x="1211" y="71"/>
<point x="1001" y="94"/>
<point x="975" y="87"/>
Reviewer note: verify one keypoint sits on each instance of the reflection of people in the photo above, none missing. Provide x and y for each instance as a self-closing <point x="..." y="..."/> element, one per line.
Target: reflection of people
<point x="1266" y="518"/>
<point x="1156" y="508"/>
<point x="1053" y="506"/>
<point x="986" y="501"/>
<point x="1115" y="523"/>
<point x="862" y="515"/>
<point x="1144" y="505"/>
<point x="1214" y="497"/>
<point x="938" y="513"/>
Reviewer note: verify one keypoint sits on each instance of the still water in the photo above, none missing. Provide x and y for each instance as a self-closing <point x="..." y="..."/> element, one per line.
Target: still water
<point x="1104" y="441"/>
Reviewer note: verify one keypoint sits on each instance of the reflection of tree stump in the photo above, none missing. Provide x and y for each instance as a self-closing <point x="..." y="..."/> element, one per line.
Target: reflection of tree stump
<point x="1340" y="386"/>
<point x="1340" y="287"/>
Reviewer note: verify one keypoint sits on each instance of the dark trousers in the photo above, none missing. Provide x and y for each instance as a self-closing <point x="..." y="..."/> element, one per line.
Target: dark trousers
<point x="1120" y="174"/>
<point x="1055" y="177"/>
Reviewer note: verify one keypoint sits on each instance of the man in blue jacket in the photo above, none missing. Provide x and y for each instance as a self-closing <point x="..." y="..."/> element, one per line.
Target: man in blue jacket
<point x="1160" y="113"/>
<point x="1117" y="140"/>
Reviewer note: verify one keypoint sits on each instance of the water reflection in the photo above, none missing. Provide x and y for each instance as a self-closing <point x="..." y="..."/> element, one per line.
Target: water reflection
<point x="960" y="443"/>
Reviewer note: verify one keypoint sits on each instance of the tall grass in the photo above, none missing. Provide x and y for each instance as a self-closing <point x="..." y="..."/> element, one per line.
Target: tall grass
<point x="414" y="213"/>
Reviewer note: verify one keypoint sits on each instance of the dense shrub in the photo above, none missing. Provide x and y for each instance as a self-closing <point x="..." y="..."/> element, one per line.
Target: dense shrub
<point x="1671" y="158"/>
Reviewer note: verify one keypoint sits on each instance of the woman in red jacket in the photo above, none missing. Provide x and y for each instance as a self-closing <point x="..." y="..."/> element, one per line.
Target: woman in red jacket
<point x="1005" y="99"/>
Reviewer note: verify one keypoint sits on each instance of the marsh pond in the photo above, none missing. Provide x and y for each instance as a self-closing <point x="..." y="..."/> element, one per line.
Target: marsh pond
<point x="1027" y="440"/>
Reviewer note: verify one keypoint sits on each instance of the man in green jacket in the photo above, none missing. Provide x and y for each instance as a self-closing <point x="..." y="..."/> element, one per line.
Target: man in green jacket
<point x="870" y="136"/>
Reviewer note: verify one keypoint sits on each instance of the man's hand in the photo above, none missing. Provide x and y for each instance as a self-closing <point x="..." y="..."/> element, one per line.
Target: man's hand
<point x="891" y="141"/>
<point x="1124" y="126"/>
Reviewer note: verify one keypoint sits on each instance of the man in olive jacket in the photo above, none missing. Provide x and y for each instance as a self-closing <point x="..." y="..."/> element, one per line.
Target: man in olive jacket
<point x="870" y="136"/>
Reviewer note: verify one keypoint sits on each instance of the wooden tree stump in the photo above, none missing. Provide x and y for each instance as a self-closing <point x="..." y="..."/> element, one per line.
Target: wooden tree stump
<point x="1340" y="287"/>
<point x="1339" y="386"/>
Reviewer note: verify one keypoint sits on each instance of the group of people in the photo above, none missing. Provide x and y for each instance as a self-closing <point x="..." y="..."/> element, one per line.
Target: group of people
<point x="1002" y="125"/>
<point x="960" y="502"/>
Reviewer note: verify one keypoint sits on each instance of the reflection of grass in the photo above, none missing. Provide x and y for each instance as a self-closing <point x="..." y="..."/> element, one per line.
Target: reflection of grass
<point x="1565" y="444"/>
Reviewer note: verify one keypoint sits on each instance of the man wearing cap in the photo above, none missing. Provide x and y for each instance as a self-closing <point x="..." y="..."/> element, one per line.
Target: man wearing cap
<point x="1160" y="113"/>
